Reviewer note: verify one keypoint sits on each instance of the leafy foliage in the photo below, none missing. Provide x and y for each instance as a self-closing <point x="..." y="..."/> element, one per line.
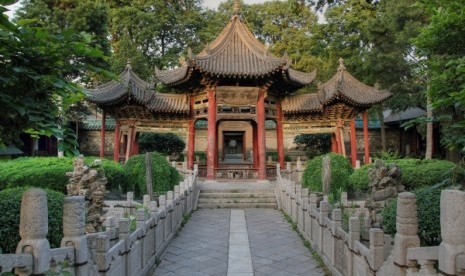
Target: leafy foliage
<point x="315" y="144"/>
<point x="10" y="207"/>
<point x="35" y="79"/>
<point x="443" y="46"/>
<point x="164" y="179"/>
<point x="340" y="171"/>
<point x="359" y="180"/>
<point x="50" y="172"/>
<point x="164" y="143"/>
<point x="428" y="207"/>
<point x="415" y="173"/>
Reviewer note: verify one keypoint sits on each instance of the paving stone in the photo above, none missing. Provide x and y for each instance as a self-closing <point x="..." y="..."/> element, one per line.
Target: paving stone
<point x="202" y="247"/>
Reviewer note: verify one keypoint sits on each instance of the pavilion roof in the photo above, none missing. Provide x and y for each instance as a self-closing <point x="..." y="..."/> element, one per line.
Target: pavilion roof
<point x="343" y="86"/>
<point x="130" y="88"/>
<point x="236" y="53"/>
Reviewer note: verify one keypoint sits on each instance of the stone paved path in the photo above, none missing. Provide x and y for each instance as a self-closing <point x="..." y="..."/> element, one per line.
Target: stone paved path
<point x="202" y="247"/>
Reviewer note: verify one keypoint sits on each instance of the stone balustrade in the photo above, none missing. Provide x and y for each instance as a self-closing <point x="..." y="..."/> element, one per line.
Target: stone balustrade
<point x="345" y="254"/>
<point x="117" y="251"/>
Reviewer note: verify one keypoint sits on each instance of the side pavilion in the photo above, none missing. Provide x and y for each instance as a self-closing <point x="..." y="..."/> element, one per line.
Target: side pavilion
<point x="235" y="85"/>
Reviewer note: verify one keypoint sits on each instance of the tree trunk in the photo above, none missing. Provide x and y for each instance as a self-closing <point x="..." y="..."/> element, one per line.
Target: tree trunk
<point x="429" y="127"/>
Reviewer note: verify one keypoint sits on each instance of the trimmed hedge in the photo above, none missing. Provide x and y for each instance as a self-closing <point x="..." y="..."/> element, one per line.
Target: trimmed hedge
<point x="10" y="207"/>
<point x="416" y="173"/>
<point x="340" y="172"/>
<point x="165" y="177"/>
<point x="428" y="207"/>
<point x="50" y="172"/>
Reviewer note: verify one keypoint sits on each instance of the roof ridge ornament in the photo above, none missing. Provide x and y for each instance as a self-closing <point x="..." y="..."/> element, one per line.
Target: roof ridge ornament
<point x="128" y="64"/>
<point x="236" y="7"/>
<point x="342" y="66"/>
<point x="190" y="55"/>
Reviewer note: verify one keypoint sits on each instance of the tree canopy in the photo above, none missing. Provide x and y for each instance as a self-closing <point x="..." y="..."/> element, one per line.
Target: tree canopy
<point x="36" y="73"/>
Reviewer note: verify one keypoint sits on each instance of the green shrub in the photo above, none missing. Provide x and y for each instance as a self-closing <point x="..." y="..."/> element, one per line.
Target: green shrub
<point x="340" y="171"/>
<point x="50" y="172"/>
<point x="428" y="205"/>
<point x="359" y="180"/>
<point x="165" y="177"/>
<point x="164" y="143"/>
<point x="115" y="174"/>
<point x="315" y="144"/>
<point x="416" y="173"/>
<point x="10" y="207"/>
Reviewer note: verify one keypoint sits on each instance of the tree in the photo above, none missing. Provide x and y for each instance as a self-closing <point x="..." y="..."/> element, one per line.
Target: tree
<point x="164" y="143"/>
<point x="159" y="31"/>
<point x="35" y="71"/>
<point x="87" y="16"/>
<point x="441" y="41"/>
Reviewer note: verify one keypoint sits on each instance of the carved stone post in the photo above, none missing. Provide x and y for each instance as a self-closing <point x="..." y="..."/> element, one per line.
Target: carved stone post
<point x="149" y="174"/>
<point x="376" y="248"/>
<point x="74" y="231"/>
<point x="326" y="174"/>
<point x="102" y="247"/>
<point x="354" y="235"/>
<point x="33" y="229"/>
<point x="407" y="229"/>
<point x="452" y="230"/>
<point x="324" y="211"/>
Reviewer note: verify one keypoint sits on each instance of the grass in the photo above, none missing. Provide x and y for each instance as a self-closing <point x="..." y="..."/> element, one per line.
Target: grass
<point x="307" y="244"/>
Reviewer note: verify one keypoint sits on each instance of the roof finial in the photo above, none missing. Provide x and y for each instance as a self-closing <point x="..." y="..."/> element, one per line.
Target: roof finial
<point x="236" y="7"/>
<point x="190" y="55"/>
<point x="341" y="67"/>
<point x="128" y="64"/>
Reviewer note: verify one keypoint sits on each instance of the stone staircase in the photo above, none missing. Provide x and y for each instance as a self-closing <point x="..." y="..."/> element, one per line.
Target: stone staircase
<point x="236" y="196"/>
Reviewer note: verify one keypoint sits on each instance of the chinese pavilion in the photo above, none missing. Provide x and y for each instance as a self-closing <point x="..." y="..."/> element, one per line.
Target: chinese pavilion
<point x="234" y="79"/>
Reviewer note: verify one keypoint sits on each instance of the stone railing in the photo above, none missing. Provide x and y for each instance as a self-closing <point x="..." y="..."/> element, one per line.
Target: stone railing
<point x="345" y="254"/>
<point x="117" y="251"/>
<point x="342" y="252"/>
<point x="408" y="258"/>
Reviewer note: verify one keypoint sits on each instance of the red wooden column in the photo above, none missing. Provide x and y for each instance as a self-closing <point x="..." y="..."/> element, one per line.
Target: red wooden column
<point x="338" y="138"/>
<point x="261" y="138"/>
<point x="135" y="144"/>
<point x="102" y="134"/>
<point x="129" y="143"/>
<point x="333" y="143"/>
<point x="255" y="146"/>
<point x="365" y="137"/>
<point x="117" y="142"/>
<point x="353" y="143"/>
<point x="191" y="137"/>
<point x="211" y="135"/>
<point x="279" y="133"/>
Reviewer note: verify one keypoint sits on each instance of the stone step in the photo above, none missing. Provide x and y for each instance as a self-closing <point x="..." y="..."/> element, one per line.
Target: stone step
<point x="237" y="195"/>
<point x="236" y="200"/>
<point x="238" y="206"/>
<point x="236" y="191"/>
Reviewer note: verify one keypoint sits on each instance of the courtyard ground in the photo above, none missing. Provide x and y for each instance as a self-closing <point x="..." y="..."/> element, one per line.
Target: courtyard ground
<point x="237" y="242"/>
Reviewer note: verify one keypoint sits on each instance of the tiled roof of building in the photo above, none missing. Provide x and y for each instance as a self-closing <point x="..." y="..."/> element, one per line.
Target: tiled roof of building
<point x="302" y="103"/>
<point x="344" y="86"/>
<point x="130" y="86"/>
<point x="235" y="53"/>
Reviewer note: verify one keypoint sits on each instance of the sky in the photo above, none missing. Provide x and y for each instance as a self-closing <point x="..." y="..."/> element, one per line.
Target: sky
<point x="213" y="4"/>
